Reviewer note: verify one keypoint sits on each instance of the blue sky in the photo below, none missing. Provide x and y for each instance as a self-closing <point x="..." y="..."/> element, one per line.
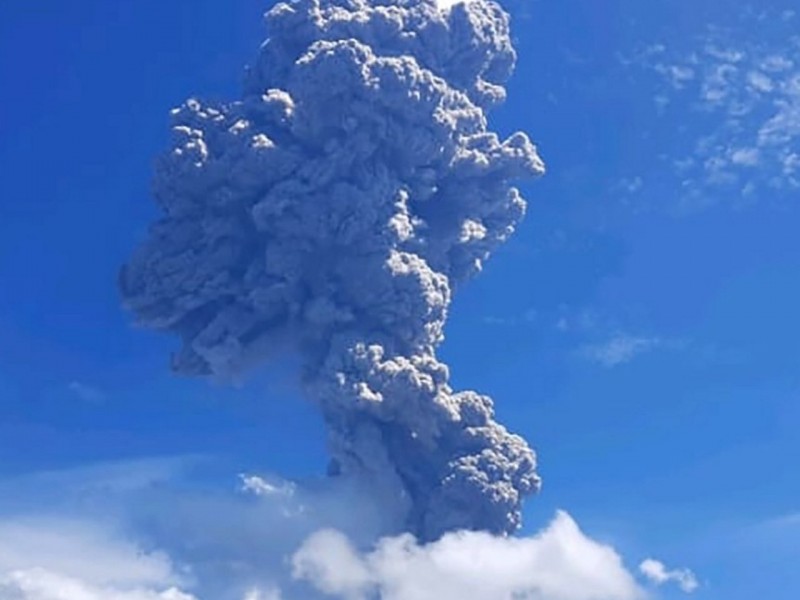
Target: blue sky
<point x="640" y="329"/>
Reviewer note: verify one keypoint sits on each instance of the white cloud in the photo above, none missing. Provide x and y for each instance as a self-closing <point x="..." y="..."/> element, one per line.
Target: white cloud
<point x="38" y="584"/>
<point x="257" y="594"/>
<point x="261" y="486"/>
<point x="621" y="348"/>
<point x="776" y="63"/>
<point x="677" y="75"/>
<point x="658" y="573"/>
<point x="746" y="157"/>
<point x="233" y="537"/>
<point x="735" y="99"/>
<point x="52" y="559"/>
<point x="87" y="552"/>
<point x="152" y="537"/>
<point x="332" y="565"/>
<point x="560" y="563"/>
<point x="760" y="82"/>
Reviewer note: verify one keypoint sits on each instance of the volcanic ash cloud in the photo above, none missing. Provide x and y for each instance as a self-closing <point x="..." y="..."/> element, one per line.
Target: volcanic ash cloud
<point x="331" y="211"/>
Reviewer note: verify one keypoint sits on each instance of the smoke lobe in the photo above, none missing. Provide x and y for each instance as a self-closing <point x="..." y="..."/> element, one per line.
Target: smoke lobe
<point x="332" y="211"/>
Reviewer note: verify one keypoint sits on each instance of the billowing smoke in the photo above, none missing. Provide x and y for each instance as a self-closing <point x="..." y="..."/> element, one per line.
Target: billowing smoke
<point x="331" y="212"/>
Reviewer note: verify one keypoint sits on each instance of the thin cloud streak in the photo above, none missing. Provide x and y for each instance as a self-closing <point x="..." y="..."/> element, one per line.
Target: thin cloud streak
<point x="620" y="349"/>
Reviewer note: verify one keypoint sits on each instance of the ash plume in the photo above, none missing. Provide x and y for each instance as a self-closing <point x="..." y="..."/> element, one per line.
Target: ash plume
<point x="331" y="211"/>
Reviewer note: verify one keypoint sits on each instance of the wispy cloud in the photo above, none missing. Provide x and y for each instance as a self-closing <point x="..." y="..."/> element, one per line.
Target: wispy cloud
<point x="527" y="317"/>
<point x="614" y="339"/>
<point x="785" y="523"/>
<point x="792" y="520"/>
<point x="620" y="349"/>
<point x="659" y="574"/>
<point x="735" y="98"/>
<point x="87" y="393"/>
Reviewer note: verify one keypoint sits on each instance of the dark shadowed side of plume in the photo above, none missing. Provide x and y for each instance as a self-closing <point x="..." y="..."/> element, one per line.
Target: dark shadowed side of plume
<point x="332" y="210"/>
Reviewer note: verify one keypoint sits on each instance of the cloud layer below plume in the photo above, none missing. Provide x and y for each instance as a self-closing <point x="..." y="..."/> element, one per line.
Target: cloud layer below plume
<point x="560" y="563"/>
<point x="267" y="542"/>
<point x="58" y="559"/>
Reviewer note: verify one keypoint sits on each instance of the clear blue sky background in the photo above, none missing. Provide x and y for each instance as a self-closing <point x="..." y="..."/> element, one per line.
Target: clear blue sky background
<point x="641" y="329"/>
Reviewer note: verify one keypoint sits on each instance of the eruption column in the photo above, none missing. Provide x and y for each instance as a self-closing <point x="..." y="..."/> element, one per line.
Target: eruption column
<point x="332" y="211"/>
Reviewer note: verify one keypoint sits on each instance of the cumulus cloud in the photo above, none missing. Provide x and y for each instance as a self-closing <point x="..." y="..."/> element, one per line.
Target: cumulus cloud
<point x="267" y="539"/>
<point x="77" y="561"/>
<point x="659" y="574"/>
<point x="141" y="524"/>
<point x="153" y="530"/>
<point x="560" y="563"/>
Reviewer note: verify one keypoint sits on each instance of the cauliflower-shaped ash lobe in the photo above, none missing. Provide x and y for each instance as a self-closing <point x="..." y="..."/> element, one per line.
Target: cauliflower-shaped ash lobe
<point x="331" y="211"/>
